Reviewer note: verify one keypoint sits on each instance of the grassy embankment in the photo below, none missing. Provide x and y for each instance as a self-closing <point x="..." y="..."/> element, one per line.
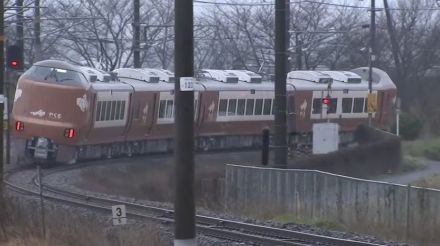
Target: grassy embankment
<point x="415" y="152"/>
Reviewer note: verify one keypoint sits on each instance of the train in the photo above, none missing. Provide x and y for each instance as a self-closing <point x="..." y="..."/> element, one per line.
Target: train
<point x="65" y="113"/>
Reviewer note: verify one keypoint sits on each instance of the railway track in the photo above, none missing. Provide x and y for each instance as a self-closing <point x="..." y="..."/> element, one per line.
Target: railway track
<point x="209" y="226"/>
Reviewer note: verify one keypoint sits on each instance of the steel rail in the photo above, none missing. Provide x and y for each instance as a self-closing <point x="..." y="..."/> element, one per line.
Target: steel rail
<point x="283" y="235"/>
<point x="210" y="226"/>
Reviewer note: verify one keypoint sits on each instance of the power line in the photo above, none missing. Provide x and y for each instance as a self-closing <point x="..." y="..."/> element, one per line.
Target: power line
<point x="338" y="5"/>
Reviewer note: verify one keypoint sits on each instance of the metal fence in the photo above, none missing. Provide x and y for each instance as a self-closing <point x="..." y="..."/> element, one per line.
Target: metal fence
<point x="379" y="208"/>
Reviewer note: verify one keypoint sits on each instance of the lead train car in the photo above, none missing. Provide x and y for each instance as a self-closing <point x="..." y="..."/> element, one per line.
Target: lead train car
<point x="64" y="112"/>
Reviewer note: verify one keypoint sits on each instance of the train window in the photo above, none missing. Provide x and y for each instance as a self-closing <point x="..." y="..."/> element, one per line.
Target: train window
<point x="162" y="105"/>
<point x="118" y="110"/>
<point x="108" y="110"/>
<point x="333" y="105"/>
<point x="169" y="112"/>
<point x="137" y="108"/>
<point x="122" y="109"/>
<point x="366" y="105"/>
<point x="317" y="106"/>
<point x="347" y="104"/>
<point x="267" y="106"/>
<point x="55" y="75"/>
<point x="103" y="107"/>
<point x="358" y="105"/>
<point x="272" y="111"/>
<point x="98" y="111"/>
<point x="258" y="106"/>
<point x="113" y="114"/>
<point x="241" y="106"/>
<point x="232" y="106"/>
<point x="250" y="106"/>
<point x="222" y="106"/>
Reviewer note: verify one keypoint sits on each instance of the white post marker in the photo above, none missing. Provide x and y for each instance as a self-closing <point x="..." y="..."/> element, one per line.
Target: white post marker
<point x="187" y="83"/>
<point x="119" y="215"/>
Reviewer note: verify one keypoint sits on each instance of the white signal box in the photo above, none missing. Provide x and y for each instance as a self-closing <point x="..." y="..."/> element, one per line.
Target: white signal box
<point x="119" y="215"/>
<point x="325" y="138"/>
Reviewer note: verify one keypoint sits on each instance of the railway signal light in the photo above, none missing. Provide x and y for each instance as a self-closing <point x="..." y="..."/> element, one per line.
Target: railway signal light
<point x="14" y="57"/>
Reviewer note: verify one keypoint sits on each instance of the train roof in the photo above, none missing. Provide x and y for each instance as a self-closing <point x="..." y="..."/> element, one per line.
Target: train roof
<point x="150" y="79"/>
<point x="356" y="79"/>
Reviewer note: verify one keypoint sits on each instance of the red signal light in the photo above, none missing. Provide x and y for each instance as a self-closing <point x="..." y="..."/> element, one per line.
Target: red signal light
<point x="19" y="126"/>
<point x="14" y="64"/>
<point x="69" y="133"/>
<point x="326" y="101"/>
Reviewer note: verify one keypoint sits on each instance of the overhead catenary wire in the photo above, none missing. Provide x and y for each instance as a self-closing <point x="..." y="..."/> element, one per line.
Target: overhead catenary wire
<point x="338" y="5"/>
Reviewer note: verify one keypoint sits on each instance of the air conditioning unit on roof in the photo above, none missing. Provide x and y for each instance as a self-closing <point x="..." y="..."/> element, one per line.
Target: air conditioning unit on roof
<point x="246" y="76"/>
<point x="164" y="75"/>
<point x="312" y="76"/>
<point x="344" y="76"/>
<point x="221" y="75"/>
<point x="137" y="74"/>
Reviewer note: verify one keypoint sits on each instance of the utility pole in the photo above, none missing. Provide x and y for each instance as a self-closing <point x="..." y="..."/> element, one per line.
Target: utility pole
<point x="372" y="54"/>
<point x="37" y="31"/>
<point x="298" y="44"/>
<point x="136" y="35"/>
<point x="20" y="28"/>
<point x="280" y="126"/>
<point x="400" y="77"/>
<point x="2" y="102"/>
<point x="184" y="205"/>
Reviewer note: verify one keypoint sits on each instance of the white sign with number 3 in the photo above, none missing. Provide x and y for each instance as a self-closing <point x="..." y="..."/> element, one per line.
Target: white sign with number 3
<point x="119" y="215"/>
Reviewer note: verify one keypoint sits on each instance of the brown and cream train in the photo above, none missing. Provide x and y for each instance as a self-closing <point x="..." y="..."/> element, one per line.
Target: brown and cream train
<point x="64" y="112"/>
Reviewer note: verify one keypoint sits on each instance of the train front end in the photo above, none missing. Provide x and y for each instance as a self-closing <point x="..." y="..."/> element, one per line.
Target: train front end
<point x="51" y="111"/>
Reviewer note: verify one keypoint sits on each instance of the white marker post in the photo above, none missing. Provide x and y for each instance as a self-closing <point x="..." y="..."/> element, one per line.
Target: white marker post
<point x="119" y="215"/>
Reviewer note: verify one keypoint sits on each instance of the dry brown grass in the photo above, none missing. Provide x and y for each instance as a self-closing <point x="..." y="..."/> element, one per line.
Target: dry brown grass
<point x="155" y="183"/>
<point x="428" y="182"/>
<point x="67" y="226"/>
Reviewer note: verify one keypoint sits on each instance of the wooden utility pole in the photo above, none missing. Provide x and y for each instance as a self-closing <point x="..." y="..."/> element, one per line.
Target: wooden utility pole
<point x="136" y="34"/>
<point x="280" y="126"/>
<point x="184" y="205"/>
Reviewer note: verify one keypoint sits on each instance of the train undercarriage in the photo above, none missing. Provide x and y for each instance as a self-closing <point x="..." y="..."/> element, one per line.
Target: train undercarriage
<point x="40" y="149"/>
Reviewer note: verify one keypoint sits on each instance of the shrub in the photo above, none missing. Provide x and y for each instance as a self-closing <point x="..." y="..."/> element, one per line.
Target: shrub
<point x="410" y="126"/>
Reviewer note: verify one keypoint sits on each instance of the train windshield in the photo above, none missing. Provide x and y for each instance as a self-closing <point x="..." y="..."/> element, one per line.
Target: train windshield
<point x="55" y="75"/>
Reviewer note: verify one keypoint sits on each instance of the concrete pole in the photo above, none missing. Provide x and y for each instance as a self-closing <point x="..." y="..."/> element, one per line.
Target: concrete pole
<point x="2" y="101"/>
<point x="372" y="54"/>
<point x="136" y="34"/>
<point x="184" y="204"/>
<point x="280" y="126"/>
